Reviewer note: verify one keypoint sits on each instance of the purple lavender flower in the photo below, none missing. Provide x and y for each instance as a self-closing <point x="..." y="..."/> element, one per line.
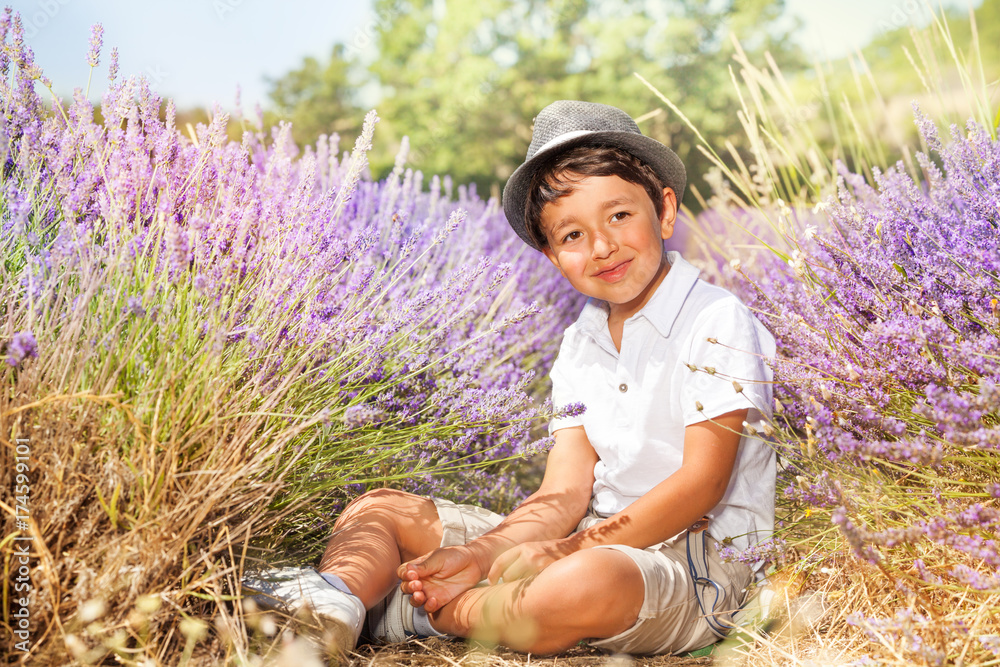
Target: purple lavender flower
<point x="96" y="41"/>
<point x="21" y="347"/>
<point x="766" y="551"/>
<point x="178" y="249"/>
<point x="913" y="630"/>
<point x="887" y="325"/>
<point x="134" y="306"/>
<point x="313" y="284"/>
<point x="113" y="65"/>
<point x="357" y="416"/>
<point x="18" y="207"/>
<point x="979" y="581"/>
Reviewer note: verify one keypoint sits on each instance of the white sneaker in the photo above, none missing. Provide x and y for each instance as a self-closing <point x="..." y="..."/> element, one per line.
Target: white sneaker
<point x="391" y="620"/>
<point x="293" y="588"/>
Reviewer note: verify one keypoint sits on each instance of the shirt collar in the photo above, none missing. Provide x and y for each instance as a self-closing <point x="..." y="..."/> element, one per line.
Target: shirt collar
<point x="663" y="307"/>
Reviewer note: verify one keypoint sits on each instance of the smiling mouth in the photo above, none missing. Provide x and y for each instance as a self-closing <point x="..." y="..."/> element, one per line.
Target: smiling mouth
<point x="613" y="273"/>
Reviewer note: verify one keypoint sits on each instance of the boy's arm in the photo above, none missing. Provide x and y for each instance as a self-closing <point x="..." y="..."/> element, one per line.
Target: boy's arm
<point x="668" y="508"/>
<point x="556" y="508"/>
<point x="552" y="512"/>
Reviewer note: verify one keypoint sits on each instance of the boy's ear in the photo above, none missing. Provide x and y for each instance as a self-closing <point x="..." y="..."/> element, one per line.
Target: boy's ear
<point x="669" y="216"/>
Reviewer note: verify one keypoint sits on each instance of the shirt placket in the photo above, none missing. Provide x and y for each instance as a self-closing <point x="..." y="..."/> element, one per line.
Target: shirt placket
<point x="624" y="385"/>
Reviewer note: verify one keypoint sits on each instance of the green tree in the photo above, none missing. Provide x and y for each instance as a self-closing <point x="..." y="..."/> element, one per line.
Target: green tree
<point x="319" y="98"/>
<point x="464" y="80"/>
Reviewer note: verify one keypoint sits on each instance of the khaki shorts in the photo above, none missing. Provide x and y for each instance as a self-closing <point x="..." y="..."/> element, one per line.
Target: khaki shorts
<point x="680" y="612"/>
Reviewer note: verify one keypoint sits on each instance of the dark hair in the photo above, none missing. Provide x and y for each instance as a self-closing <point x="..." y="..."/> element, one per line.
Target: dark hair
<point x="558" y="175"/>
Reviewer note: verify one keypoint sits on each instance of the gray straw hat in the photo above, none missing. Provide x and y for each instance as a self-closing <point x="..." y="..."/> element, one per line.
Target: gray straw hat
<point x="569" y="123"/>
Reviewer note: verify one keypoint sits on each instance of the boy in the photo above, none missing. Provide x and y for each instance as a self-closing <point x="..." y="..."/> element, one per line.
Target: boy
<point x="617" y="546"/>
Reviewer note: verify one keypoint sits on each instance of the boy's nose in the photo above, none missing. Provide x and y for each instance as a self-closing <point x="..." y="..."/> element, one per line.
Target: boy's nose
<point x="604" y="245"/>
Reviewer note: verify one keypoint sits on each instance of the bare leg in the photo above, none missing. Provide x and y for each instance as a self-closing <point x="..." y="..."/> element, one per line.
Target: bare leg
<point x="596" y="593"/>
<point x="376" y="533"/>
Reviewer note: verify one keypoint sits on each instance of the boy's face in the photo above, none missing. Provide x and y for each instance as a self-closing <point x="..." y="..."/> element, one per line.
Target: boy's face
<point x="607" y="240"/>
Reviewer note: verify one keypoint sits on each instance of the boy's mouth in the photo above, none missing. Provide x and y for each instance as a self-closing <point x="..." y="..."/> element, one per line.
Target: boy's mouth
<point x="613" y="273"/>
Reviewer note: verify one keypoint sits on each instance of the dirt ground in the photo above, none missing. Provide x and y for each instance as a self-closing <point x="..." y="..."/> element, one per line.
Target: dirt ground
<point x="298" y="642"/>
<point x="433" y="652"/>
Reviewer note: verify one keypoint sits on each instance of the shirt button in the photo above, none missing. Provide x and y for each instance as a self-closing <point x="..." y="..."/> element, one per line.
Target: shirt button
<point x="623" y="387"/>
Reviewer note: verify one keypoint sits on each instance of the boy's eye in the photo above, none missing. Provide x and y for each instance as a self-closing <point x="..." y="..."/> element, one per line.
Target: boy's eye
<point x="619" y="216"/>
<point x="571" y="236"/>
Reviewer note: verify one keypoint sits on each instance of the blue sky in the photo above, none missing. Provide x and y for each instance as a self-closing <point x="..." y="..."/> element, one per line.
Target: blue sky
<point x="199" y="51"/>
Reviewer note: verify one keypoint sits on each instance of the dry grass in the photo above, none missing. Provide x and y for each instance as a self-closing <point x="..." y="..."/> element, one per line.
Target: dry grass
<point x="437" y="652"/>
<point x="273" y="639"/>
<point x="817" y="619"/>
<point x="136" y="532"/>
<point x="806" y="628"/>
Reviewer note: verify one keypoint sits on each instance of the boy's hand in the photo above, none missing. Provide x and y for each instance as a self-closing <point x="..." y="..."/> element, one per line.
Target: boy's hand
<point x="436" y="578"/>
<point x="528" y="559"/>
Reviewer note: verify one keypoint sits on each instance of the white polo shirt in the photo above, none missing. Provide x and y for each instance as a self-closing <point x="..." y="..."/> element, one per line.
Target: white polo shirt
<point x="668" y="375"/>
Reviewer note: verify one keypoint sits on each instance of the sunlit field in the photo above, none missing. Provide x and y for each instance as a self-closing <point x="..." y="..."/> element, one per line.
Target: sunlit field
<point x="209" y="345"/>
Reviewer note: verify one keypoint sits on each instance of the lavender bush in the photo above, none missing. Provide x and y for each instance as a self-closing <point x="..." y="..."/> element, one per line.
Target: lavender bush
<point x="883" y="299"/>
<point x="889" y="350"/>
<point x="209" y="341"/>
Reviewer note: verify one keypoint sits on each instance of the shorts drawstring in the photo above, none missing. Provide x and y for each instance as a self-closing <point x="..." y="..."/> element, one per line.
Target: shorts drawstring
<point x="704" y="587"/>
